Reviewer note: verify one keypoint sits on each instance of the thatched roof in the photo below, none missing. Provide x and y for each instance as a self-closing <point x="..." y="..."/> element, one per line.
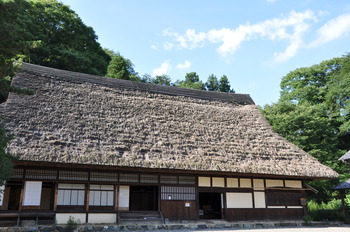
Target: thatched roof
<point x="86" y="119"/>
<point x="346" y="156"/>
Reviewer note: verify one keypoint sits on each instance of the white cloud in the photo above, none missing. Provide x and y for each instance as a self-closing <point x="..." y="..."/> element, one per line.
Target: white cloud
<point x="271" y="1"/>
<point x="185" y="65"/>
<point x="154" y="47"/>
<point x="168" y="46"/>
<point x="189" y="40"/>
<point x="162" y="70"/>
<point x="290" y="28"/>
<point x="332" y="30"/>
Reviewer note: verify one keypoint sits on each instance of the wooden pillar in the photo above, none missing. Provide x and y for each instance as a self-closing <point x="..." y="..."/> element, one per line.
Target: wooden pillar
<point x="197" y="196"/>
<point x="55" y="197"/>
<point x="342" y="197"/>
<point x="116" y="201"/>
<point x="21" y="197"/>
<point x="87" y="197"/>
<point x="87" y="201"/>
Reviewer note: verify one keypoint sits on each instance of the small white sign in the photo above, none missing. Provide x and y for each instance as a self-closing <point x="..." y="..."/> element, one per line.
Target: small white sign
<point x="187" y="204"/>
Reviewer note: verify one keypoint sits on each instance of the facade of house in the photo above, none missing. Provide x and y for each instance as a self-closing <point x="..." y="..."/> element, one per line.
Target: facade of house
<point x="96" y="148"/>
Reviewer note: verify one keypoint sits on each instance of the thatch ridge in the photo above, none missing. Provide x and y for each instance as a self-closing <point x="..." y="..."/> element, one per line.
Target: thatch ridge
<point x="243" y="99"/>
<point x="88" y="122"/>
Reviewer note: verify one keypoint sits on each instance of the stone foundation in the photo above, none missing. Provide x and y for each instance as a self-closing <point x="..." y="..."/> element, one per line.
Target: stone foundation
<point x="179" y="226"/>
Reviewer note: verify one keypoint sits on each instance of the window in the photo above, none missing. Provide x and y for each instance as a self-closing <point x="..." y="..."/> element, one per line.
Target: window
<point x="41" y="174"/>
<point x="168" y="179"/>
<point x="187" y="180"/>
<point x="151" y="179"/>
<point x="124" y="177"/>
<point x="178" y="193"/>
<point x="71" y="194"/>
<point x="32" y="193"/>
<point x="101" y="195"/>
<point x="283" y="198"/>
<point x="105" y="177"/>
<point x="73" y="175"/>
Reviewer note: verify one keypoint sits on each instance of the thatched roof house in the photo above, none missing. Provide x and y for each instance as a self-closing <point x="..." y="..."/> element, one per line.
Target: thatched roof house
<point x="189" y="154"/>
<point x="85" y="119"/>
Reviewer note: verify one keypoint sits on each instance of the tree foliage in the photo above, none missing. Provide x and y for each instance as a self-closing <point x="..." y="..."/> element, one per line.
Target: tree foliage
<point x="212" y="83"/>
<point x="121" y="68"/>
<point x="15" y="35"/>
<point x="313" y="112"/>
<point x="224" y="85"/>
<point x="48" y="33"/>
<point x="5" y="159"/>
<point x="191" y="82"/>
<point x="158" y="80"/>
<point x="63" y="41"/>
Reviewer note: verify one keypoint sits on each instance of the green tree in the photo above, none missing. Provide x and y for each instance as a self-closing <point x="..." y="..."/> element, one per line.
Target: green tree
<point x="5" y="159"/>
<point x="15" y="39"/>
<point x="212" y="83"/>
<point x="121" y="68"/>
<point x="308" y="127"/>
<point x="224" y="85"/>
<point x="313" y="113"/>
<point x="14" y="33"/>
<point x="338" y="96"/>
<point x="191" y="82"/>
<point x="63" y="41"/>
<point x="159" y="80"/>
<point x="162" y="80"/>
<point x="309" y="84"/>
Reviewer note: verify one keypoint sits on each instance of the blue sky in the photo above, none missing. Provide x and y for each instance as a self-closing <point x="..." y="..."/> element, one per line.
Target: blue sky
<point x="254" y="43"/>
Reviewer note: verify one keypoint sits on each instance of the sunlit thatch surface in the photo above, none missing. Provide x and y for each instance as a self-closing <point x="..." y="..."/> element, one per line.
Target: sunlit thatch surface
<point x="79" y="118"/>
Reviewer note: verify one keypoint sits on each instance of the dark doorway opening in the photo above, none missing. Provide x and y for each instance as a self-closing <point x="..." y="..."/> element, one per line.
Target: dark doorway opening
<point x="210" y="205"/>
<point x="144" y="198"/>
<point x="14" y="198"/>
<point x="47" y="196"/>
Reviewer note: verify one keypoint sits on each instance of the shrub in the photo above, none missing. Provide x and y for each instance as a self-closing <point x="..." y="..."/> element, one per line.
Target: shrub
<point x="72" y="224"/>
<point x="330" y="211"/>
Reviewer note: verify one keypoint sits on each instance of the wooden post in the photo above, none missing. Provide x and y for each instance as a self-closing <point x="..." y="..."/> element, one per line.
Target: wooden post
<point x="87" y="197"/>
<point x="55" y="197"/>
<point x="21" y="197"/>
<point x="342" y="196"/>
<point x="87" y="202"/>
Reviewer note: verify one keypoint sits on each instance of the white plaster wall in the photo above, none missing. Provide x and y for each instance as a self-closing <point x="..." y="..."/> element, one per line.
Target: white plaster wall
<point x="258" y="184"/>
<point x="218" y="182"/>
<point x="259" y="200"/>
<point x="232" y="182"/>
<point x="99" y="218"/>
<point x="245" y="183"/>
<point x="239" y="200"/>
<point x="204" y="181"/>
<point x="293" y="183"/>
<point x="274" y="183"/>
<point x="62" y="218"/>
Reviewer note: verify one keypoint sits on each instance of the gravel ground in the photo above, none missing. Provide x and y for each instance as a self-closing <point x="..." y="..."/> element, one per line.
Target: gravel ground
<point x="297" y="229"/>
